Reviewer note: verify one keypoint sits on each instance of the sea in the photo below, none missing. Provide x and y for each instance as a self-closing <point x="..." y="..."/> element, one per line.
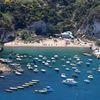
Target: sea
<point x="52" y="78"/>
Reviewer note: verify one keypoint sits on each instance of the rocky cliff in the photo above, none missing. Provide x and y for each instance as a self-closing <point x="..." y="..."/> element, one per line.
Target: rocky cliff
<point x="48" y="17"/>
<point x="6" y="36"/>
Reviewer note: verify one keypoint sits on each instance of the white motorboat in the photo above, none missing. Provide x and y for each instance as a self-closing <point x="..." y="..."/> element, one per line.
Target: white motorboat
<point x="35" y="66"/>
<point x="87" y="81"/>
<point x="43" y="70"/>
<point x="67" y="69"/>
<point x="56" y="56"/>
<point x="18" y="73"/>
<point x="89" y="72"/>
<point x="48" y="61"/>
<point x="46" y="64"/>
<point x="77" y="71"/>
<point x="41" y="56"/>
<point x="74" y="68"/>
<point x="86" y="54"/>
<point x="30" y="68"/>
<point x="52" y="58"/>
<point x="98" y="69"/>
<point x="2" y="76"/>
<point x="5" y="60"/>
<point x="36" y="70"/>
<point x="53" y="61"/>
<point x="63" y="65"/>
<point x="12" y="88"/>
<point x="67" y="62"/>
<point x="90" y="77"/>
<point x="56" y="69"/>
<point x="19" y="59"/>
<point x="90" y="60"/>
<point x="88" y="64"/>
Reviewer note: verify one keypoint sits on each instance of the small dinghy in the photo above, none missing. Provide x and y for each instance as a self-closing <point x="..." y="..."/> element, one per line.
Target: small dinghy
<point x="87" y="81"/>
<point x="63" y="75"/>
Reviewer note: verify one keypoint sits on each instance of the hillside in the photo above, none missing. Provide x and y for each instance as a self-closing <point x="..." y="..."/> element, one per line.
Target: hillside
<point x="48" y="17"/>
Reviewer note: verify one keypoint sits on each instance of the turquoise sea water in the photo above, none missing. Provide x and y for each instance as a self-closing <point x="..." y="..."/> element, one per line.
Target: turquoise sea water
<point x="82" y="91"/>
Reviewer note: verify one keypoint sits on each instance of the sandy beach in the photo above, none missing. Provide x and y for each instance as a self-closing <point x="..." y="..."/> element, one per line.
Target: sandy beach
<point x="50" y="43"/>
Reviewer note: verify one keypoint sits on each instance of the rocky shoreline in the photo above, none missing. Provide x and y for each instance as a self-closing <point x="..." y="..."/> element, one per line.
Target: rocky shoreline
<point x="1" y="47"/>
<point x="4" y="69"/>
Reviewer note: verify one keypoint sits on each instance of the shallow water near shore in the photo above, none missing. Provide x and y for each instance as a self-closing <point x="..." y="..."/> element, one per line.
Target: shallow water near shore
<point x="82" y="91"/>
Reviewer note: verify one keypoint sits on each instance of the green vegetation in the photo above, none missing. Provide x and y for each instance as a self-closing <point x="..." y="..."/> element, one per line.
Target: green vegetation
<point x="58" y="15"/>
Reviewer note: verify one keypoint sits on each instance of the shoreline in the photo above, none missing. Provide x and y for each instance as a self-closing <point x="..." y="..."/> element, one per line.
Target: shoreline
<point x="50" y="43"/>
<point x="46" y="46"/>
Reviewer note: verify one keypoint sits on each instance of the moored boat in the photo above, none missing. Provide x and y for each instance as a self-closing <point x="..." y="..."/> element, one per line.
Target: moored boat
<point x="70" y="81"/>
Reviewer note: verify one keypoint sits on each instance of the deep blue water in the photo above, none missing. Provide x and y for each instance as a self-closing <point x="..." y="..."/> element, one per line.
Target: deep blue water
<point x="82" y="91"/>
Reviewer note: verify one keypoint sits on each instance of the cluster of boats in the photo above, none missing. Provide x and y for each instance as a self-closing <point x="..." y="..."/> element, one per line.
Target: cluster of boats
<point x="74" y="66"/>
<point x="23" y="86"/>
<point x="69" y="64"/>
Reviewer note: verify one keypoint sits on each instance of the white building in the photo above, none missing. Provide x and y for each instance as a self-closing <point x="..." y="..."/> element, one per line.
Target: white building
<point x="67" y="34"/>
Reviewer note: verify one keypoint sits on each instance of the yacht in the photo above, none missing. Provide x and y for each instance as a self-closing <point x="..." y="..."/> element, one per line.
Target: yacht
<point x="70" y="81"/>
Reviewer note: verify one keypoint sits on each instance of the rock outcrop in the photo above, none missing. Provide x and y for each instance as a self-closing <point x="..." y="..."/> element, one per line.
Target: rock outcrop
<point x="6" y="36"/>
